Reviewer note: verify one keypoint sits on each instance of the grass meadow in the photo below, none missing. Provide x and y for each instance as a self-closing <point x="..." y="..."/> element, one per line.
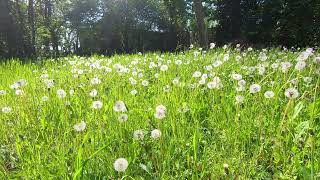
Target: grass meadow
<point x="224" y="113"/>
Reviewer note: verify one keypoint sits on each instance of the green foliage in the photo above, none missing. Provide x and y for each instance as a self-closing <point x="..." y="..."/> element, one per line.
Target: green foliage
<point x="205" y="134"/>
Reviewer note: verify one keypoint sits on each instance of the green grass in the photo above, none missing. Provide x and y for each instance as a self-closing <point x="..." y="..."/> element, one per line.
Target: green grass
<point x="261" y="138"/>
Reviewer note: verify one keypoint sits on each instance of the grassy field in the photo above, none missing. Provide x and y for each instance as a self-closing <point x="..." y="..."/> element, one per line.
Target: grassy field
<point x="220" y="114"/>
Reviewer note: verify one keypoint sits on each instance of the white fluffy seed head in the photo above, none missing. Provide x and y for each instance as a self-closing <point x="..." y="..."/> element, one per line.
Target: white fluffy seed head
<point x="239" y="99"/>
<point x="120" y="107"/>
<point x="269" y="94"/>
<point x="93" y="93"/>
<point x="80" y="126"/>
<point x="155" y="134"/>
<point x="97" y="105"/>
<point x="138" y="135"/>
<point x="291" y="93"/>
<point x="120" y="165"/>
<point x="160" y="112"/>
<point x="123" y="118"/>
<point x="255" y="88"/>
<point x="6" y="109"/>
<point x="61" y="93"/>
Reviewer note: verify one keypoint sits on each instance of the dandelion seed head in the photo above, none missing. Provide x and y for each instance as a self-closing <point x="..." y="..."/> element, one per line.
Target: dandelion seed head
<point x="121" y="165"/>
<point x="97" y="105"/>
<point x="255" y="88"/>
<point x="155" y="134"/>
<point x="291" y="93"/>
<point x="269" y="94"/>
<point x="120" y="106"/>
<point x="61" y="93"/>
<point x="80" y="126"/>
<point x="6" y="109"/>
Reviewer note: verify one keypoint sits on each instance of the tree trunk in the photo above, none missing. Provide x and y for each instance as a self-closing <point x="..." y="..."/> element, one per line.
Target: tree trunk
<point x="235" y="19"/>
<point x="22" y="46"/>
<point x="47" y="18"/>
<point x="202" y="30"/>
<point x="32" y="26"/>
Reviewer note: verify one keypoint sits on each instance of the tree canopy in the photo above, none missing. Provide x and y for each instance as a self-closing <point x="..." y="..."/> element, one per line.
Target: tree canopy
<point x="33" y="28"/>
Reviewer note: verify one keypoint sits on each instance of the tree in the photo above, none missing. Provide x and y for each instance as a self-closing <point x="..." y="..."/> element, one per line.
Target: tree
<point x="32" y="26"/>
<point x="201" y="27"/>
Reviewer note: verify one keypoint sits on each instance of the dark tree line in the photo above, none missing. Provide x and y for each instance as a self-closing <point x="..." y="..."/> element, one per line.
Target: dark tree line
<point x="32" y="28"/>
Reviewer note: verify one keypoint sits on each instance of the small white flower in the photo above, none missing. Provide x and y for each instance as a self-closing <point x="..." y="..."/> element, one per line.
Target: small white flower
<point x="285" y="66"/>
<point x="134" y="92"/>
<point x="178" y="62"/>
<point x="204" y="76"/>
<point x="316" y="60"/>
<point x="160" y="112"/>
<point x="120" y="165"/>
<point x="132" y="81"/>
<point x="209" y="68"/>
<point x="3" y="92"/>
<point x="275" y="66"/>
<point x="6" y="109"/>
<point x="61" y="93"/>
<point x="304" y="56"/>
<point x="49" y="83"/>
<point x="239" y="99"/>
<point x="175" y="81"/>
<point x="155" y="134"/>
<point x="255" y="88"/>
<point x="300" y="65"/>
<point x="93" y="93"/>
<point x="196" y="74"/>
<point x="97" y="105"/>
<point x="240" y="88"/>
<point x="123" y="118"/>
<point x="217" y="63"/>
<point x="19" y="92"/>
<point x="236" y="76"/>
<point x="226" y="57"/>
<point x="225" y="46"/>
<point x="269" y="94"/>
<point x="307" y="79"/>
<point x="291" y="93"/>
<point x="212" y="45"/>
<point x="138" y="135"/>
<point x="95" y="81"/>
<point x="202" y="81"/>
<point x="261" y="70"/>
<point x="71" y="92"/>
<point x="14" y="86"/>
<point x="45" y="98"/>
<point x="263" y="57"/>
<point x="164" y="68"/>
<point x="225" y="166"/>
<point x="242" y="82"/>
<point x="196" y="53"/>
<point x="80" y="126"/>
<point x="80" y="71"/>
<point x="238" y="58"/>
<point x="166" y="88"/>
<point x="21" y="82"/>
<point x="44" y="76"/>
<point x="120" y="107"/>
<point x="215" y="83"/>
<point x="145" y="83"/>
